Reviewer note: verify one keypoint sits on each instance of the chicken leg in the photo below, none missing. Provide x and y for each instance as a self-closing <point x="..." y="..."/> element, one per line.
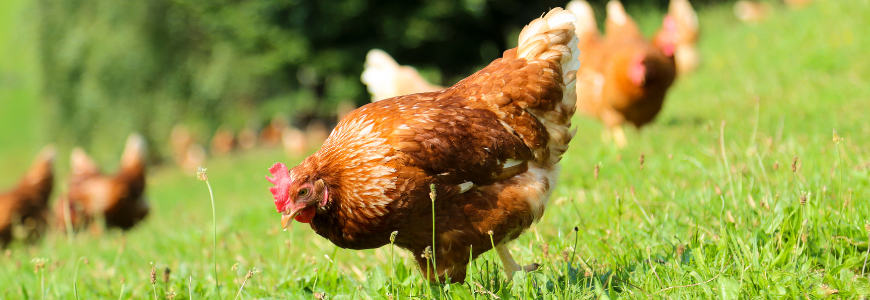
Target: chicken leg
<point x="619" y="136"/>
<point x="614" y="134"/>
<point x="510" y="265"/>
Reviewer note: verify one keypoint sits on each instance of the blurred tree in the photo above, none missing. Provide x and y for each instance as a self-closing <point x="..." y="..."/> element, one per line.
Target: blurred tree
<point x="111" y="67"/>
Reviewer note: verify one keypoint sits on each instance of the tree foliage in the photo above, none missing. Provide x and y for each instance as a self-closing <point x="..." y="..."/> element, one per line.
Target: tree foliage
<point x="112" y="67"/>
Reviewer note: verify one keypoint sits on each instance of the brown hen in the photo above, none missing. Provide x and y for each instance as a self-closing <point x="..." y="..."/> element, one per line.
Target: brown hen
<point x="623" y="78"/>
<point x="489" y="147"/>
<point x="26" y="205"/>
<point x="686" y="53"/>
<point x="118" y="200"/>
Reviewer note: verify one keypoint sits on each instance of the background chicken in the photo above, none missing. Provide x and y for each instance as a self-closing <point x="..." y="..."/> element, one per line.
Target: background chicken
<point x="686" y="53"/>
<point x="26" y="204"/>
<point x="385" y="78"/>
<point x="270" y="135"/>
<point x="247" y="139"/>
<point x="223" y="142"/>
<point x="622" y="77"/>
<point x="488" y="146"/>
<point x="187" y="153"/>
<point x="116" y="199"/>
<point x="295" y="141"/>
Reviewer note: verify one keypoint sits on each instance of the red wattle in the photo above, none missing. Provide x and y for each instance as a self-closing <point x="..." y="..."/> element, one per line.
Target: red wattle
<point x="637" y="70"/>
<point x="306" y="215"/>
<point x="668" y="50"/>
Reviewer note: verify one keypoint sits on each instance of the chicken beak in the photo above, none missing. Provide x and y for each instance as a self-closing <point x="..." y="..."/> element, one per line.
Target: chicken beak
<point x="285" y="221"/>
<point x="288" y="216"/>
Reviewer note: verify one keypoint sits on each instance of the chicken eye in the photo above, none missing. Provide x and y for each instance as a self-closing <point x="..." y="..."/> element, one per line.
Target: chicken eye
<point x="303" y="192"/>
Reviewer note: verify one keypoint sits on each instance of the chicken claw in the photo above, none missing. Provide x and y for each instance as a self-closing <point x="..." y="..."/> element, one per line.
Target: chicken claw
<point x="619" y="137"/>
<point x="510" y="265"/>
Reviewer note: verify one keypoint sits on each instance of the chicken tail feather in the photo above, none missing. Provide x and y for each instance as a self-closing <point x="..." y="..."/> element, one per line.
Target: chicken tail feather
<point x="586" y="26"/>
<point x="380" y="74"/>
<point x="616" y="13"/>
<point x="552" y="38"/>
<point x="81" y="163"/>
<point x="548" y="38"/>
<point x="42" y="167"/>
<point x="134" y="151"/>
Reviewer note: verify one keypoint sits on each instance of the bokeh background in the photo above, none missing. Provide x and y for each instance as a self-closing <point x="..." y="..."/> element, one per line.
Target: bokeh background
<point x="97" y="70"/>
<point x="716" y="179"/>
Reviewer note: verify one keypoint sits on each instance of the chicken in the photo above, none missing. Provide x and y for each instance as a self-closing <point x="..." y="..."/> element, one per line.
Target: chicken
<point x="686" y="54"/>
<point x="316" y="133"/>
<point x="295" y="141"/>
<point x="187" y="153"/>
<point x="117" y="199"/>
<point x="26" y="204"/>
<point x="270" y="135"/>
<point x="487" y="147"/>
<point x="385" y="78"/>
<point x="223" y="142"/>
<point x="622" y="76"/>
<point x="247" y="138"/>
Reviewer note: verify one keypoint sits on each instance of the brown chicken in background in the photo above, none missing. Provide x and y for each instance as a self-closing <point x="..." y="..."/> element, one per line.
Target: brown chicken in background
<point x="270" y="135"/>
<point x="26" y="205"/>
<point x="488" y="147"/>
<point x="223" y="142"/>
<point x="118" y="199"/>
<point x="295" y="141"/>
<point x="385" y="78"/>
<point x="187" y="153"/>
<point x="316" y="132"/>
<point x="686" y="54"/>
<point x="623" y="77"/>
<point x="247" y="138"/>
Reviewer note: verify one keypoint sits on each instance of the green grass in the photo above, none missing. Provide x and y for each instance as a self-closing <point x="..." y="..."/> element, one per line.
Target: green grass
<point x="709" y="215"/>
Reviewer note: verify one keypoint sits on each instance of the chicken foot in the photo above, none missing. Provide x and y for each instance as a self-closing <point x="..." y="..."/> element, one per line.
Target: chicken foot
<point x="619" y="137"/>
<point x="510" y="265"/>
<point x="614" y="134"/>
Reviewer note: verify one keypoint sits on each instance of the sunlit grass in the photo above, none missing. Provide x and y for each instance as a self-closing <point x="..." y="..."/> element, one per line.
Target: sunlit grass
<point x="713" y="210"/>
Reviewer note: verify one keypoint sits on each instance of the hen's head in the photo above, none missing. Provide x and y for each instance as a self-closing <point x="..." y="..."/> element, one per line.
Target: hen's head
<point x="296" y="198"/>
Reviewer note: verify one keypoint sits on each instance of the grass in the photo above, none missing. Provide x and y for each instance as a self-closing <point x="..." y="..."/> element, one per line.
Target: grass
<point x="715" y="211"/>
<point x="202" y="175"/>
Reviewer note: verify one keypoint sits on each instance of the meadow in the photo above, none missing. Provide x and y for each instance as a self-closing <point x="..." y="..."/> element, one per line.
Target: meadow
<point x="752" y="183"/>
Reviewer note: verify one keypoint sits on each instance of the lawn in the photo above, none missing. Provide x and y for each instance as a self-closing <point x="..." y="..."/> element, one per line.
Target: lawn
<point x="740" y="189"/>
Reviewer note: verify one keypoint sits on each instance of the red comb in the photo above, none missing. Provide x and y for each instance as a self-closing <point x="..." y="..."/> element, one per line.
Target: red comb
<point x="282" y="184"/>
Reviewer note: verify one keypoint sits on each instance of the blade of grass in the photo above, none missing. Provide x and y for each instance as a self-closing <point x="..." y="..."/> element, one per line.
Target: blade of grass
<point x="201" y="175"/>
